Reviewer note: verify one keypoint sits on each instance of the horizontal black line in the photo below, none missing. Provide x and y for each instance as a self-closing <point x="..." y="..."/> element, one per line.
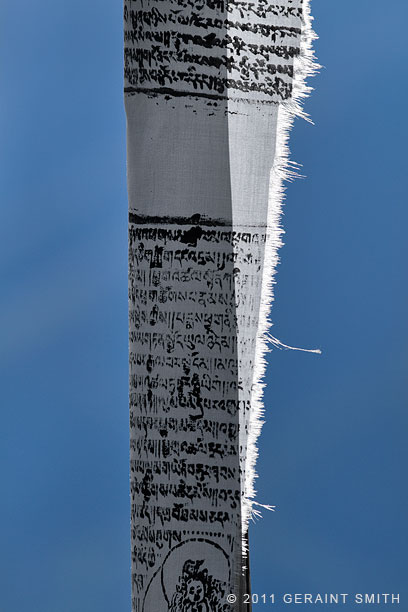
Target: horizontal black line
<point x="193" y="220"/>
<point x="167" y="91"/>
<point x="196" y="219"/>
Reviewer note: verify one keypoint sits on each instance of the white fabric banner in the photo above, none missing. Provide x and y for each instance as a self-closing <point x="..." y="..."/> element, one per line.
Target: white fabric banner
<point x="211" y="88"/>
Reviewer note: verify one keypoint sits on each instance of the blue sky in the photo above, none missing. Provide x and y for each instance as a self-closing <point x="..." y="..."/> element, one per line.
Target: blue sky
<point x="333" y="451"/>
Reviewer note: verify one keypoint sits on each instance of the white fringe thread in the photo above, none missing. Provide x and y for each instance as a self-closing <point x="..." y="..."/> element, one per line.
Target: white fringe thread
<point x="283" y="170"/>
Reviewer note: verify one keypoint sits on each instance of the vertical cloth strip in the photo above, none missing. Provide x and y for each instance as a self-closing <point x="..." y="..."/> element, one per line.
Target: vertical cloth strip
<point x="211" y="90"/>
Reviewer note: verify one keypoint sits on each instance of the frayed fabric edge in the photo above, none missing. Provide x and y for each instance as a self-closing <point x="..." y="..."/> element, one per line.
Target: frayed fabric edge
<point x="283" y="170"/>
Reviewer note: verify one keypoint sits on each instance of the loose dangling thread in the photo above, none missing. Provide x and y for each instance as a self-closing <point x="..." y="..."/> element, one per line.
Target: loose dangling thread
<point x="280" y="345"/>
